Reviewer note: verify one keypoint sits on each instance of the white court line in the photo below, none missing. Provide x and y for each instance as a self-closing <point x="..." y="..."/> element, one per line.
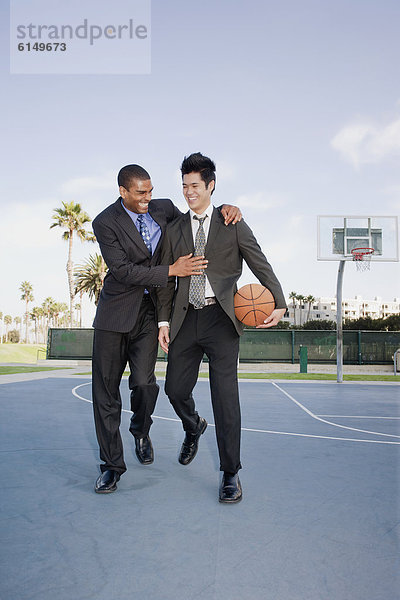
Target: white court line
<point x="314" y="416"/>
<point x="356" y="417"/>
<point x="320" y="437"/>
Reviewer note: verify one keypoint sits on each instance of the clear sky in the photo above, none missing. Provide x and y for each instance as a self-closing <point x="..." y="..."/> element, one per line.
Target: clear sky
<point x="297" y="102"/>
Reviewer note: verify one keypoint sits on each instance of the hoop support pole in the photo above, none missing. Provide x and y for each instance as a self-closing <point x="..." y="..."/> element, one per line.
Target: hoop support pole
<point x="339" y="323"/>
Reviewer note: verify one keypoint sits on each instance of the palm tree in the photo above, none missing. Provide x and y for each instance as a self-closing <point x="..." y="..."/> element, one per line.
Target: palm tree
<point x="63" y="310"/>
<point x="293" y="297"/>
<point x="7" y="321"/>
<point x="310" y="300"/>
<point x="89" y="277"/>
<point x="301" y="300"/>
<point x="72" y="218"/>
<point x="78" y="307"/>
<point x="36" y="314"/>
<point x="48" y="310"/>
<point x="17" y="321"/>
<point x="27" y="295"/>
<point x="55" y="309"/>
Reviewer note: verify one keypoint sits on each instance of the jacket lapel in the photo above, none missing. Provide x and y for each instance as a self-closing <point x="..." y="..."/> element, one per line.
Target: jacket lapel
<point x="186" y="229"/>
<point x="129" y="226"/>
<point x="213" y="233"/>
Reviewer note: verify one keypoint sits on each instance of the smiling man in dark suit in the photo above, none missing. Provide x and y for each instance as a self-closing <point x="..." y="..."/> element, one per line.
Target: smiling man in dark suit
<point x="200" y="312"/>
<point x="129" y="233"/>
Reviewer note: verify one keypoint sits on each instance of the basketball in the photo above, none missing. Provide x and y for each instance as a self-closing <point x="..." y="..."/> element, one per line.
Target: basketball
<point x="253" y="304"/>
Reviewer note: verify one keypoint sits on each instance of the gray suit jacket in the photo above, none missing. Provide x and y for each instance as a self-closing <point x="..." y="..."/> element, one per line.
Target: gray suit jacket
<point x="226" y="248"/>
<point x="131" y="267"/>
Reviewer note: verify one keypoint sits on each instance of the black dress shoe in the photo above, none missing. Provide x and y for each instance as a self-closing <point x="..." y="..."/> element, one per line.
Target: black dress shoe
<point x="230" y="490"/>
<point x="191" y="443"/>
<point x="107" y="482"/>
<point x="144" y="450"/>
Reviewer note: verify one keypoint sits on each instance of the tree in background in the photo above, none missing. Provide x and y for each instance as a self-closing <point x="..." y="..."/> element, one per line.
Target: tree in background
<point x="391" y="323"/>
<point x="301" y="299"/>
<point x="7" y="321"/>
<point x="13" y="336"/>
<point x="2" y="323"/>
<point x="37" y="314"/>
<point x="89" y="276"/>
<point x="18" y="323"/>
<point x="48" y="310"/>
<point x="319" y="324"/>
<point x="62" y="314"/>
<point x="310" y="300"/>
<point x="27" y="295"/>
<point x="293" y="298"/>
<point x="72" y="218"/>
<point x="78" y="306"/>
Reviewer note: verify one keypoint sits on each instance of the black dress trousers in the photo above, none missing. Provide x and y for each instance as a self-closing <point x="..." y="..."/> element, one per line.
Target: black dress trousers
<point x="208" y="331"/>
<point x="111" y="352"/>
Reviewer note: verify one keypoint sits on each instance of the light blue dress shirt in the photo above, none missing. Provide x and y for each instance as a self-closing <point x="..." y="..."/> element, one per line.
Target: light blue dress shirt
<point x="153" y="227"/>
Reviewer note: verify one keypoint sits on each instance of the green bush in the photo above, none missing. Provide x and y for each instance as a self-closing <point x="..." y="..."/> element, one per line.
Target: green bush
<point x="318" y="324"/>
<point x="13" y="336"/>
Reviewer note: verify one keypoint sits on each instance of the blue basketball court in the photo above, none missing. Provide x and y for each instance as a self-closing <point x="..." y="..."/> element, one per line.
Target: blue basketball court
<point x="319" y="517"/>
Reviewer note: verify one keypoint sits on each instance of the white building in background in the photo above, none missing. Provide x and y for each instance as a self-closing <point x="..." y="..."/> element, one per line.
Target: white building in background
<point x="354" y="308"/>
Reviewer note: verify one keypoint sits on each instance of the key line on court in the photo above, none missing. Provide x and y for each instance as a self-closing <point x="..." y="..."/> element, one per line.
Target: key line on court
<point x="314" y="416"/>
<point x="306" y="435"/>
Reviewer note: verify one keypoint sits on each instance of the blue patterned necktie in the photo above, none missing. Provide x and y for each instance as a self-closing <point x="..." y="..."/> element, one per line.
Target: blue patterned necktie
<point x="144" y="232"/>
<point x="197" y="288"/>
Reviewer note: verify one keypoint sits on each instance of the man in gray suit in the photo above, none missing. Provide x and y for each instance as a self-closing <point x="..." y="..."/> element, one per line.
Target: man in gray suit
<point x="196" y="316"/>
<point x="129" y="233"/>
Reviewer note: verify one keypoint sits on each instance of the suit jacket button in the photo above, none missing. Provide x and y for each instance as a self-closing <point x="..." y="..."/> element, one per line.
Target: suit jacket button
<point x="184" y="308"/>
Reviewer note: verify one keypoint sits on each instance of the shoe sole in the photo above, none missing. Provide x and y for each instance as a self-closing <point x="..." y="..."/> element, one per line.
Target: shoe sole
<point x="110" y="491"/>
<point x="194" y="455"/>
<point x="230" y="501"/>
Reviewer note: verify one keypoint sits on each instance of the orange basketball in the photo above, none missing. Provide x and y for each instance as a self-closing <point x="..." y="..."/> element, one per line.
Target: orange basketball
<point x="253" y="304"/>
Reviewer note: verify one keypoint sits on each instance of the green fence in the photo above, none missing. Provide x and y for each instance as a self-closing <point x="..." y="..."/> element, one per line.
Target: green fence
<point x="256" y="345"/>
<point x="70" y="343"/>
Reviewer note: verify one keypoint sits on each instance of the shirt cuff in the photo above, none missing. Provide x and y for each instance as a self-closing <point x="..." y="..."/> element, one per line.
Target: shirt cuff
<point x="163" y="324"/>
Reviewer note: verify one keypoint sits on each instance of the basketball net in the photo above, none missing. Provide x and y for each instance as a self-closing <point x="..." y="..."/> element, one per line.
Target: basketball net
<point x="362" y="258"/>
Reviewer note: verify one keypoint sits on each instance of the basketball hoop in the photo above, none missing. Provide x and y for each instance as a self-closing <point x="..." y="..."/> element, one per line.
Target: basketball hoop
<point x="362" y="258"/>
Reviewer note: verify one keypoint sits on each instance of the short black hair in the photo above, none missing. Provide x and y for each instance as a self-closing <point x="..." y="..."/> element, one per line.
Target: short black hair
<point x="197" y="163"/>
<point x="130" y="172"/>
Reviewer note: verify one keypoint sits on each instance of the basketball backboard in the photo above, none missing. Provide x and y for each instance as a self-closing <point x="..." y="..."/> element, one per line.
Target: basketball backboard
<point x="338" y="235"/>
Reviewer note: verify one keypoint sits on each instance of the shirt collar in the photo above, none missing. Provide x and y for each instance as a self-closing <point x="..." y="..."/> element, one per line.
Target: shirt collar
<point x="208" y="212"/>
<point x="132" y="214"/>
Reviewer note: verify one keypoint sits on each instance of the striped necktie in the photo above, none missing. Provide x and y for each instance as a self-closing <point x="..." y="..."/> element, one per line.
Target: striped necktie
<point x="144" y="232"/>
<point x="197" y="288"/>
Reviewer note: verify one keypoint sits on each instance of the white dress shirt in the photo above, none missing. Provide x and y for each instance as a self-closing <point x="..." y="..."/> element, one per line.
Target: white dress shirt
<point x="206" y="226"/>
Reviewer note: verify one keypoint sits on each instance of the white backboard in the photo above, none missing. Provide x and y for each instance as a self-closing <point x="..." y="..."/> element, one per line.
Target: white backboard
<point x="338" y="235"/>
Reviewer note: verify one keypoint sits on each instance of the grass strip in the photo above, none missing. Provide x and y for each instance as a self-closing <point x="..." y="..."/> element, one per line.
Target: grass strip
<point x="14" y="370"/>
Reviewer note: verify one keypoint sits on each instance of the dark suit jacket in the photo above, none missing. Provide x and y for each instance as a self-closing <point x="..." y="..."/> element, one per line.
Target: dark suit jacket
<point x="131" y="267"/>
<point x="226" y="248"/>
